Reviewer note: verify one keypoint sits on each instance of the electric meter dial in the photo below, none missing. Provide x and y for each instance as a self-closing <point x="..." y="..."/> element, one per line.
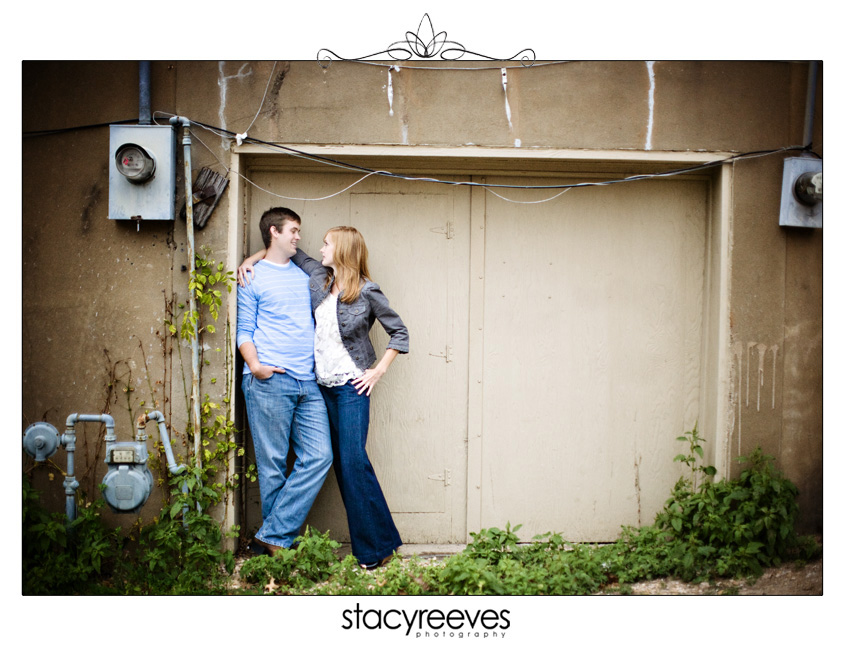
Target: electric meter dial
<point x="134" y="163"/>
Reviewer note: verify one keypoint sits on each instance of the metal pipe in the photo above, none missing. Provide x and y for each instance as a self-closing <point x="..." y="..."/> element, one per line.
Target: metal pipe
<point x="194" y="343"/>
<point x="70" y="483"/>
<point x="144" y="115"/>
<point x="157" y="415"/>
<point x="174" y="469"/>
<point x="68" y="440"/>
<point x="809" y="119"/>
<point x="108" y="420"/>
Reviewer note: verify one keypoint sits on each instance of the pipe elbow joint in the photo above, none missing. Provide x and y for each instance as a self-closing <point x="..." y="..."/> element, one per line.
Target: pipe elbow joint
<point x="180" y="120"/>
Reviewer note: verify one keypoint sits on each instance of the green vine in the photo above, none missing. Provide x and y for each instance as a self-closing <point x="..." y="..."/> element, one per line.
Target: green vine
<point x="207" y="283"/>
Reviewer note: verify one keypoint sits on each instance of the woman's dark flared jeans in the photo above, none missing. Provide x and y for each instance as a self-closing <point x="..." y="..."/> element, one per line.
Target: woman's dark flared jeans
<point x="371" y="528"/>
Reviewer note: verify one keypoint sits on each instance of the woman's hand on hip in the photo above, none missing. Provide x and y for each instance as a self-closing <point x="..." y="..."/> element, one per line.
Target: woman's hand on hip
<point x="368" y="380"/>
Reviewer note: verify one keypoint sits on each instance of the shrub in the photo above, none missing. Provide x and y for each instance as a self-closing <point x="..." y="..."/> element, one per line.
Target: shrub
<point x="729" y="528"/>
<point x="58" y="559"/>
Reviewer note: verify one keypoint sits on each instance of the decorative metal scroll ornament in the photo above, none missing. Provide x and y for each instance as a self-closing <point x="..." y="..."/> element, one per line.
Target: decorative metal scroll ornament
<point x="425" y="44"/>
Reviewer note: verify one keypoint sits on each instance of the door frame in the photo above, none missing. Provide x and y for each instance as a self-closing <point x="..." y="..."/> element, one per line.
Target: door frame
<point x="716" y="411"/>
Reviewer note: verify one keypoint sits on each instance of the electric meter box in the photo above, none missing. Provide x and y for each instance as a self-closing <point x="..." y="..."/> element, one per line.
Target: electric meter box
<point x="142" y="172"/>
<point x="801" y="209"/>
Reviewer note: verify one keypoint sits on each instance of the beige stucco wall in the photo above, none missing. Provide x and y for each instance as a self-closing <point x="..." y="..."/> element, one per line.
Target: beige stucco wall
<point x="94" y="291"/>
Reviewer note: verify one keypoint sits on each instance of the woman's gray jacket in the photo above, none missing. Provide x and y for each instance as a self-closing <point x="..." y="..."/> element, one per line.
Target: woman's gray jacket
<point x="356" y="319"/>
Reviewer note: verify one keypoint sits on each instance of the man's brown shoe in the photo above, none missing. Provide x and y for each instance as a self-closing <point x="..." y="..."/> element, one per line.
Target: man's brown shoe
<point x="271" y="548"/>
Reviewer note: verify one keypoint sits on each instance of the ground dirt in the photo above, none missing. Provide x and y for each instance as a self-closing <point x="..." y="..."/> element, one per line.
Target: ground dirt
<point x="786" y="580"/>
<point x="789" y="579"/>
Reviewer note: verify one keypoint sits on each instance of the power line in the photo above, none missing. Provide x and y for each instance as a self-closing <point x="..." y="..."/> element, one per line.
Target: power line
<point x="385" y="173"/>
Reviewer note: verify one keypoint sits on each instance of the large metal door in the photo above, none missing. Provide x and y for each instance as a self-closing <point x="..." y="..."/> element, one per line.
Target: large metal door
<point x="591" y="353"/>
<point x="555" y="348"/>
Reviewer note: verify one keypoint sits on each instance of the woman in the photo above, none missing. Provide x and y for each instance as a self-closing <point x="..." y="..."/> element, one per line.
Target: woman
<point x="346" y="304"/>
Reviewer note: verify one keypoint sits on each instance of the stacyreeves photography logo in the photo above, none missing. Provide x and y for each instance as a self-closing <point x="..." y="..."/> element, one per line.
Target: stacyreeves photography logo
<point x="479" y="624"/>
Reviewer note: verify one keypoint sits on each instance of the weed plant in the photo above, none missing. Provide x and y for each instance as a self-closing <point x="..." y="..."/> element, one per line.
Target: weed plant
<point x="723" y="529"/>
<point x="58" y="559"/>
<point x="178" y="553"/>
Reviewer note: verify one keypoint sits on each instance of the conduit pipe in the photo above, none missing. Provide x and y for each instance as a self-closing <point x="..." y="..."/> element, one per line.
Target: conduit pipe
<point x="194" y="343"/>
<point x="809" y="119"/>
<point x="144" y="115"/>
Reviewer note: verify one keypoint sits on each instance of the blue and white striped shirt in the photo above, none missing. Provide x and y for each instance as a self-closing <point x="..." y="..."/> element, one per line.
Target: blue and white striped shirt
<point x="274" y="314"/>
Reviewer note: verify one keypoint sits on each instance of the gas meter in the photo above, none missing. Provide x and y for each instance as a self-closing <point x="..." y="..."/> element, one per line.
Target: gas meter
<point x="128" y="481"/>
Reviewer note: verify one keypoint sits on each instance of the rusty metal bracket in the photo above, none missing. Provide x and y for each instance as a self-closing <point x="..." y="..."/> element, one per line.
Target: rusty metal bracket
<point x="207" y="191"/>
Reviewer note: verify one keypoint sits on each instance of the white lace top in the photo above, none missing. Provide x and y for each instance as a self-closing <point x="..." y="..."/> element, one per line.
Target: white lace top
<point x="333" y="364"/>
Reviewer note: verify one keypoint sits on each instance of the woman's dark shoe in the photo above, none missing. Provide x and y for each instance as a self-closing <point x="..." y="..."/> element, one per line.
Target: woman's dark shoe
<point x="374" y="565"/>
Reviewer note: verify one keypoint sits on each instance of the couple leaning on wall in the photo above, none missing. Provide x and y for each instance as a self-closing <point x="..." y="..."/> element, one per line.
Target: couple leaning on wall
<point x="309" y="369"/>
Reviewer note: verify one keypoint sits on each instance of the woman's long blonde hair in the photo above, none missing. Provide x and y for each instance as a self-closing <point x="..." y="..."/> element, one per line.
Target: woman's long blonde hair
<point x="350" y="262"/>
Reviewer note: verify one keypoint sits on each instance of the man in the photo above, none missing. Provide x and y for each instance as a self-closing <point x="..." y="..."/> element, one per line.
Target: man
<point x="275" y="336"/>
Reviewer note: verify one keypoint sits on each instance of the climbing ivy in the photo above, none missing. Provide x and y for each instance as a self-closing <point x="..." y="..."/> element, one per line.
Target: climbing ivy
<point x="208" y="282"/>
<point x="207" y="279"/>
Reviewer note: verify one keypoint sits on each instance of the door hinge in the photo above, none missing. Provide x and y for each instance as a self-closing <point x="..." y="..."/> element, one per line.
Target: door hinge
<point x="448" y="230"/>
<point x="448" y="355"/>
<point x="445" y="477"/>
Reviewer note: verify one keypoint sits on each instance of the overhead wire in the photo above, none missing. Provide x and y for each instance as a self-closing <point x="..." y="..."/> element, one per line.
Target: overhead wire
<point x="368" y="172"/>
<point x="65" y="130"/>
<point x="351" y="166"/>
<point x="263" y="99"/>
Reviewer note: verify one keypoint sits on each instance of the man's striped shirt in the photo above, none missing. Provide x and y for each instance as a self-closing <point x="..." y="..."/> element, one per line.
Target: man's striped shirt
<point x="274" y="313"/>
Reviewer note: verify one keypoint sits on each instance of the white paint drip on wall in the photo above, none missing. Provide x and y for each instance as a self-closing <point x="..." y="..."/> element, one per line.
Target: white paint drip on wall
<point x="517" y="142"/>
<point x="506" y="102"/>
<point x="223" y="83"/>
<point x="750" y="346"/>
<point x="745" y="371"/>
<point x="390" y="88"/>
<point x="774" y="350"/>
<point x="652" y="79"/>
<point x="737" y="352"/>
<point x="761" y="374"/>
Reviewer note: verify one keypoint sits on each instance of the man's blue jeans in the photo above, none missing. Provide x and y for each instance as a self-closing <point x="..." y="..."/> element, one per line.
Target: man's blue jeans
<point x="371" y="528"/>
<point x="284" y="412"/>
